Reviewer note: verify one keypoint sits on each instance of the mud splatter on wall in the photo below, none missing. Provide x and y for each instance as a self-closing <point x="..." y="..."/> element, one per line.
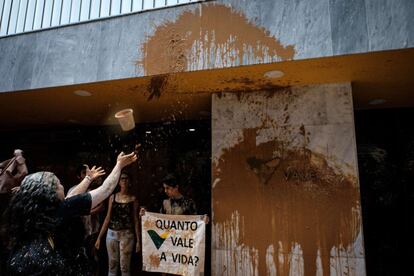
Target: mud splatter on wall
<point x="286" y="194"/>
<point x="211" y="36"/>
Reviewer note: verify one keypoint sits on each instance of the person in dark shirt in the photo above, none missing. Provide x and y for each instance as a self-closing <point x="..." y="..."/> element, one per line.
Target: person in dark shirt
<point x="176" y="203"/>
<point x="41" y="228"/>
<point x="91" y="224"/>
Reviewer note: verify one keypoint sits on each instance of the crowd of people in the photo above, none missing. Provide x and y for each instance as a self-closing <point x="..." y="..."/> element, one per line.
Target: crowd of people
<point x="46" y="232"/>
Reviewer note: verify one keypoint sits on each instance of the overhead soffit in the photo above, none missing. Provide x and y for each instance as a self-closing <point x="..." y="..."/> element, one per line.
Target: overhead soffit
<point x="384" y="76"/>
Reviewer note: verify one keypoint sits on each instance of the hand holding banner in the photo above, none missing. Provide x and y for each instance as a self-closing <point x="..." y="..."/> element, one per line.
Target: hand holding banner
<point x="173" y="244"/>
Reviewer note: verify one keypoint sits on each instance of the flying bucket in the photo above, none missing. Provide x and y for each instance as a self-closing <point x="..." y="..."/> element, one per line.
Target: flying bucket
<point x="126" y="119"/>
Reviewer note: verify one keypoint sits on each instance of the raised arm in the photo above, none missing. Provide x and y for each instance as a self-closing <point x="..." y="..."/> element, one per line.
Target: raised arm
<point x="102" y="192"/>
<point x="91" y="175"/>
<point x="105" y="224"/>
<point x="21" y="165"/>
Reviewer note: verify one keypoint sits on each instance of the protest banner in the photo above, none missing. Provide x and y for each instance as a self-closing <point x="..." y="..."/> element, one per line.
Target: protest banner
<point x="173" y="244"/>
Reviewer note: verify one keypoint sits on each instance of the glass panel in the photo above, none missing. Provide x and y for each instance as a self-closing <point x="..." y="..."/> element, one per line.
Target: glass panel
<point x="22" y="16"/>
<point x="30" y="15"/>
<point x="85" y="7"/>
<point x="116" y="7"/>
<point x="25" y="15"/>
<point x="159" y="3"/>
<point x="95" y="7"/>
<point x="126" y="6"/>
<point x="13" y="17"/>
<point x="75" y="13"/>
<point x="57" y="7"/>
<point x="137" y="5"/>
<point x="47" y="16"/>
<point x="1" y="10"/>
<point x="172" y="2"/>
<point x="39" y="14"/>
<point x="105" y="7"/>
<point x="148" y="4"/>
<point x="65" y="12"/>
<point x="5" y="17"/>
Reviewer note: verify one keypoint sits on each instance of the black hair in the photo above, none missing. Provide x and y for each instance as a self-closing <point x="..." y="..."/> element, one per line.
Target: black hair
<point x="31" y="213"/>
<point x="118" y="189"/>
<point x="170" y="180"/>
<point x="126" y="173"/>
<point x="80" y="169"/>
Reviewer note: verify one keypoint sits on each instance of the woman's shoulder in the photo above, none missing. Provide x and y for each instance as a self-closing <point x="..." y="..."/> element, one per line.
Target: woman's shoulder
<point x="132" y="199"/>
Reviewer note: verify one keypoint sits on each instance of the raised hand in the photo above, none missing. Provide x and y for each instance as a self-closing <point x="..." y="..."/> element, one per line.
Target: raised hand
<point x="142" y="212"/>
<point x="94" y="172"/>
<point x="18" y="152"/>
<point x="125" y="159"/>
<point x="206" y="218"/>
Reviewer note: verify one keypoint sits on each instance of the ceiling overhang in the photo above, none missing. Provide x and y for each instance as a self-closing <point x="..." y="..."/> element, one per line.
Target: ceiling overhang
<point x="379" y="80"/>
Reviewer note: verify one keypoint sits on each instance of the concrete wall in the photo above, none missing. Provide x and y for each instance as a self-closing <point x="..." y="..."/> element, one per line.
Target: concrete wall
<point x="217" y="34"/>
<point x="285" y="190"/>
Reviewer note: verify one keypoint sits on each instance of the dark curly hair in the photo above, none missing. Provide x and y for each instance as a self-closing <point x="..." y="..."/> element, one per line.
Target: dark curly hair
<point x="170" y="180"/>
<point x="32" y="210"/>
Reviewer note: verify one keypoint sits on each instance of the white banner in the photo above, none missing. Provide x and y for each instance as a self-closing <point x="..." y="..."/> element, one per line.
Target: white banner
<point x="173" y="244"/>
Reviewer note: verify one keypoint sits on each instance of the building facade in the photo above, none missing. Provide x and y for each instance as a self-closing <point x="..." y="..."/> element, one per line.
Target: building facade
<point x="279" y="80"/>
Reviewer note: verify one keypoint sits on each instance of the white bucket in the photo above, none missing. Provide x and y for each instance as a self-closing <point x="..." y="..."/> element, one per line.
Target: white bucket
<point x="126" y="119"/>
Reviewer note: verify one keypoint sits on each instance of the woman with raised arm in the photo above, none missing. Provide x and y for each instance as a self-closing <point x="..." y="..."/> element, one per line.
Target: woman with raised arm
<point x="41" y="222"/>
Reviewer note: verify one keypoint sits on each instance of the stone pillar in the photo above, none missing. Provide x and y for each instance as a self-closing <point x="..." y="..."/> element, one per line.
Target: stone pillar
<point x="285" y="190"/>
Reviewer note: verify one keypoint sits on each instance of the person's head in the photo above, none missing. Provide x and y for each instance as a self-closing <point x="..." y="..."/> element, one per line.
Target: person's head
<point x="170" y="185"/>
<point x="81" y="172"/>
<point x="42" y="183"/>
<point x="32" y="210"/>
<point x="124" y="181"/>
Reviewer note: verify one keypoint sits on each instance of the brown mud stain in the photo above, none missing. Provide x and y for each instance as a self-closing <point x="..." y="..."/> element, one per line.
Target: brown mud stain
<point x="302" y="200"/>
<point x="156" y="86"/>
<point x="149" y="224"/>
<point x="302" y="130"/>
<point x="154" y="260"/>
<point x="210" y="36"/>
<point x="246" y="84"/>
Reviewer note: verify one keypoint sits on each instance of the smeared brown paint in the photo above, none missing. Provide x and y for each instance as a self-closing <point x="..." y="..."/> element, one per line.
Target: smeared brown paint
<point x="243" y="80"/>
<point x="247" y="84"/>
<point x="156" y="86"/>
<point x="154" y="260"/>
<point x="149" y="224"/>
<point x="209" y="36"/>
<point x="304" y="201"/>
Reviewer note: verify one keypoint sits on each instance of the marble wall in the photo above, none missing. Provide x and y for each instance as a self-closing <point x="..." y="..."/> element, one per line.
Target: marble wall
<point x="285" y="189"/>
<point x="209" y="35"/>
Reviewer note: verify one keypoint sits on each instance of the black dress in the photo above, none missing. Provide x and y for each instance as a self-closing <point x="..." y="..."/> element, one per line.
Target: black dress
<point x="59" y="253"/>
